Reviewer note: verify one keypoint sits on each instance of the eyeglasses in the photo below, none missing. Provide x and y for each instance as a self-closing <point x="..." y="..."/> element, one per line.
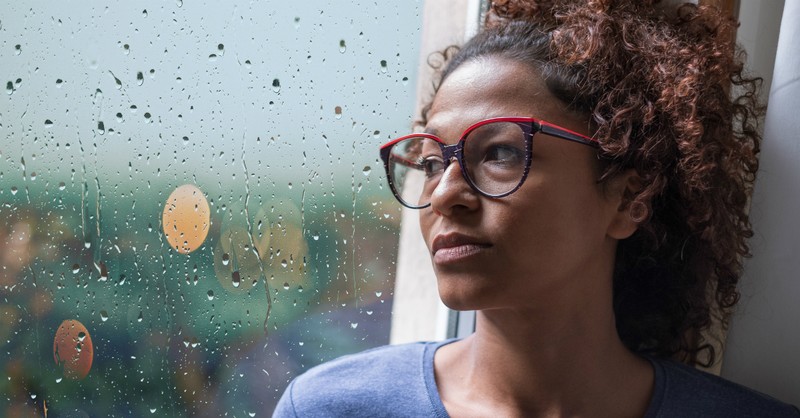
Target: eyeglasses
<point x="494" y="156"/>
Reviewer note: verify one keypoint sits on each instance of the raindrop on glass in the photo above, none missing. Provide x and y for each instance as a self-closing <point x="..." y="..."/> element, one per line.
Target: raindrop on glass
<point x="342" y="46"/>
<point x="285" y="285"/>
<point x="103" y="316"/>
<point x="383" y="66"/>
<point x="276" y="85"/>
<point x="139" y="78"/>
<point x="225" y="259"/>
<point x="210" y="295"/>
<point x="338" y="112"/>
<point x="236" y="278"/>
<point x="367" y="169"/>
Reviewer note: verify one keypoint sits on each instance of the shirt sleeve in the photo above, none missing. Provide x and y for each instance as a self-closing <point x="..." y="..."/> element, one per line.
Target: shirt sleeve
<point x="285" y="407"/>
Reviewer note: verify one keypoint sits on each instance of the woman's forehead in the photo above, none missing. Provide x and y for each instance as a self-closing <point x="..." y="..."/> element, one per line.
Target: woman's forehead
<point x="489" y="87"/>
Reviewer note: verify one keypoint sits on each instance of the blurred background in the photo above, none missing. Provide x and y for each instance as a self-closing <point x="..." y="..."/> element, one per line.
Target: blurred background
<point x="120" y="298"/>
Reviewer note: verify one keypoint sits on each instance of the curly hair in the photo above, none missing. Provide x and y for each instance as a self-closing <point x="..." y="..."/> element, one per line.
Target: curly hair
<point x="656" y="85"/>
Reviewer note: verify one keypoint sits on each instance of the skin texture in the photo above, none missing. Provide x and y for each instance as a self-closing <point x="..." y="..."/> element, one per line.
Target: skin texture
<point x="537" y="265"/>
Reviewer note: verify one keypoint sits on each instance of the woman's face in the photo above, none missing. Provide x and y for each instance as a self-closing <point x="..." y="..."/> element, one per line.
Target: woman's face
<point x="548" y="242"/>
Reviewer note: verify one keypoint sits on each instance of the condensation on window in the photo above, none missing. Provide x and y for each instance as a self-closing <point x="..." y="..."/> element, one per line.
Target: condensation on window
<point x="192" y="208"/>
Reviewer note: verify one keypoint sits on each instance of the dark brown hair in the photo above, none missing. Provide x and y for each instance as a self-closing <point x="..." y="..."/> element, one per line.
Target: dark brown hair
<point x="656" y="85"/>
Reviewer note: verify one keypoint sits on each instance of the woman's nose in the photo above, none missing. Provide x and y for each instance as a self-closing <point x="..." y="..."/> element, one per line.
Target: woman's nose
<point x="453" y="193"/>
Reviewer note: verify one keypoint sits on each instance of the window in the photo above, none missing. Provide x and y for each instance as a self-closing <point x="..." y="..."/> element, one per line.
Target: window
<point x="166" y="170"/>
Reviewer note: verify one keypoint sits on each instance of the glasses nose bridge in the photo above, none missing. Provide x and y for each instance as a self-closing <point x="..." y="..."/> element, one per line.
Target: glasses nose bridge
<point x="451" y="151"/>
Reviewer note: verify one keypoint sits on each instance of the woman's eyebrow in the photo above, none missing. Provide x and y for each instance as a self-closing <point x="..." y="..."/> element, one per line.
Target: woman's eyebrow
<point x="431" y="131"/>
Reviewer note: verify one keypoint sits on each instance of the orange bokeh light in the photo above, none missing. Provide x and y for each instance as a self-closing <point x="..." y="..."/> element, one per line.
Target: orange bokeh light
<point x="73" y="350"/>
<point x="186" y="218"/>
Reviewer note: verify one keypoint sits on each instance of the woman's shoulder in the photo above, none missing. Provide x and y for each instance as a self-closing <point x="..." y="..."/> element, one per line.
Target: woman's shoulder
<point x="381" y="381"/>
<point x="682" y="390"/>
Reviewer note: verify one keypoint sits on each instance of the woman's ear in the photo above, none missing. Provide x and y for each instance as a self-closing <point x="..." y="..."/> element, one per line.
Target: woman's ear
<point x="630" y="211"/>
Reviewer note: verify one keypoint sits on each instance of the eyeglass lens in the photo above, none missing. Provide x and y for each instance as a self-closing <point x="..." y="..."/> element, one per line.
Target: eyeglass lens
<point x="494" y="160"/>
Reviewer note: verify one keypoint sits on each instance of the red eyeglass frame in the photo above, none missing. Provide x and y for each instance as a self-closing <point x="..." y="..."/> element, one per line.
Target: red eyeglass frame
<point x="529" y="126"/>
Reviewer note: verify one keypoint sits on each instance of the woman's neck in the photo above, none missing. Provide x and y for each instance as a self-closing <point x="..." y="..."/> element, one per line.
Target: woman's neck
<point x="532" y="363"/>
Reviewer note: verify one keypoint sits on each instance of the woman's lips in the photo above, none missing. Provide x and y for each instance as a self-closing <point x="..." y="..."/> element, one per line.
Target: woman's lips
<point x="451" y="248"/>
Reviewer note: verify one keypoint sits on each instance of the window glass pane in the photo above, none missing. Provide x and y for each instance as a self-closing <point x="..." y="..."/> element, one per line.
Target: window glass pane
<point x="166" y="169"/>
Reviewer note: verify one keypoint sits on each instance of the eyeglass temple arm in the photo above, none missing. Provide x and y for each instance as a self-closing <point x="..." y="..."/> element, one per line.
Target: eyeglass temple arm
<point x="551" y="130"/>
<point x="404" y="161"/>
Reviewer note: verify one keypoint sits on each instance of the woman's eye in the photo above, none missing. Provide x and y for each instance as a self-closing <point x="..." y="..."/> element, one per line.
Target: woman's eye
<point x="504" y="154"/>
<point x="431" y="165"/>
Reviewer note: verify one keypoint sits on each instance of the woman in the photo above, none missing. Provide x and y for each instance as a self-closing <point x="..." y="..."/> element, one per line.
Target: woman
<point x="582" y="183"/>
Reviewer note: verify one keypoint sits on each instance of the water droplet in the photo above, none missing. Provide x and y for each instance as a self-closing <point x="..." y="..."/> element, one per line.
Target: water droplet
<point x="251" y="414"/>
<point x="126" y="48"/>
<point x="367" y="169"/>
<point x="285" y="285"/>
<point x="81" y="336"/>
<point x="284" y="263"/>
<point x="185" y="139"/>
<point x="13" y="190"/>
<point x="236" y="278"/>
<point x="101" y="128"/>
<point x="338" y="112"/>
<point x="405" y="81"/>
<point x="221" y="47"/>
<point x="139" y="318"/>
<point x="342" y="46"/>
<point x="75" y="268"/>
<point x="139" y="78"/>
<point x="62" y="186"/>
<point x="276" y="85"/>
<point x="315" y="236"/>
<point x="210" y="295"/>
<point x="103" y="316"/>
<point x="59" y="379"/>
<point x="225" y="259"/>
<point x="144" y="12"/>
<point x="10" y="88"/>
<point x="153" y="410"/>
<point x="378" y="294"/>
<point x="33" y="175"/>
<point x="383" y="66"/>
<point x="103" y="272"/>
<point x="354" y="325"/>
<point x="33" y="396"/>
<point x="376" y="133"/>
<point x="300" y="289"/>
<point x="17" y="49"/>
<point x="48" y="123"/>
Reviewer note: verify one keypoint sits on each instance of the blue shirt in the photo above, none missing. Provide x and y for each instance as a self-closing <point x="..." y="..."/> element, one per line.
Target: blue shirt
<point x="398" y="381"/>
